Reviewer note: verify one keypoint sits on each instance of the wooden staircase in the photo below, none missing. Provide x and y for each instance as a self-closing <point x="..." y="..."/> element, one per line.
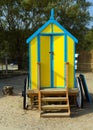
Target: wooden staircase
<point x="54" y="103"/>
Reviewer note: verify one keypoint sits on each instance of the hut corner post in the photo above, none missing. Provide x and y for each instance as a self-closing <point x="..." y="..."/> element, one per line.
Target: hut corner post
<point x="39" y="94"/>
<point x="67" y="79"/>
<point x="67" y="67"/>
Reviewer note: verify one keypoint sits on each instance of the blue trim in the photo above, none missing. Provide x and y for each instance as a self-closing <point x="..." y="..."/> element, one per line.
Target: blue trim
<point x="28" y="65"/>
<point x="65" y="48"/>
<point x="46" y="87"/>
<point x="45" y="25"/>
<point x="38" y="31"/>
<point x="75" y="86"/>
<point x="66" y="32"/>
<point x="52" y="14"/>
<point x="51" y="62"/>
<point x="30" y="76"/>
<point x="65" y="56"/>
<point x="54" y="87"/>
<point x="49" y="34"/>
<point x="52" y="28"/>
<point x="38" y="48"/>
<point x="59" y="87"/>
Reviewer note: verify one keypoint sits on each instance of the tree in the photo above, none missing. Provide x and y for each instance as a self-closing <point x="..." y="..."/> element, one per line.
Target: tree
<point x="89" y="40"/>
<point x="13" y="20"/>
<point x="20" y="18"/>
<point x="72" y="14"/>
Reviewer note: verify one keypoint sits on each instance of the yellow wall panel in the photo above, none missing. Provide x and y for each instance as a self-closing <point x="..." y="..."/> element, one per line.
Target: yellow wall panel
<point x="56" y="29"/>
<point x="59" y="61"/>
<point x="33" y="62"/>
<point x="45" y="61"/>
<point x="70" y="49"/>
<point x="48" y="29"/>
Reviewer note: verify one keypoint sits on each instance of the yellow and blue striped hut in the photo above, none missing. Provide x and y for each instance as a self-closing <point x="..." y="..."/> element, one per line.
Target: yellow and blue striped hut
<point x="51" y="46"/>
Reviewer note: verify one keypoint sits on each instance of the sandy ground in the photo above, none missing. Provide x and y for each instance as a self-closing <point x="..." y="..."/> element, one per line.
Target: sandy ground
<point x="13" y="117"/>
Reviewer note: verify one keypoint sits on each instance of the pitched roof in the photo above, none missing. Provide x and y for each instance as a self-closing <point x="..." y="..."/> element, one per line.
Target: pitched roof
<point x="51" y="21"/>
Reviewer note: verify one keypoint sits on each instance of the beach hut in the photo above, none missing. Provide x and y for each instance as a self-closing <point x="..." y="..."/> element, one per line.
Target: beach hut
<point x="51" y="57"/>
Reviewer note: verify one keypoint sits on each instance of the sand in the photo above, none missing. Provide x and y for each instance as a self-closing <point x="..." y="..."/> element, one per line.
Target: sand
<point x="13" y="117"/>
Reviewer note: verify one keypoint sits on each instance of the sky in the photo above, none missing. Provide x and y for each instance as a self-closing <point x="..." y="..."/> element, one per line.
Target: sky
<point x="91" y="13"/>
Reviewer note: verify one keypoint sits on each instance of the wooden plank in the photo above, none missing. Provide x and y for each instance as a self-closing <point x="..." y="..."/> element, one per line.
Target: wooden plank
<point x="53" y="91"/>
<point x="39" y="100"/>
<point x="54" y="99"/>
<point x="39" y="75"/>
<point x="73" y="91"/>
<point x="65" y="114"/>
<point x="67" y="78"/>
<point x="29" y="91"/>
<point x="39" y="93"/>
<point x="54" y="107"/>
<point x="70" y="90"/>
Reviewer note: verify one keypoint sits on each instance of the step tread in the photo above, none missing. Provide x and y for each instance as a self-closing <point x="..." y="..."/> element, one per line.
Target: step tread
<point x="55" y="114"/>
<point x="53" y="91"/>
<point x="54" y="107"/>
<point x="54" y="99"/>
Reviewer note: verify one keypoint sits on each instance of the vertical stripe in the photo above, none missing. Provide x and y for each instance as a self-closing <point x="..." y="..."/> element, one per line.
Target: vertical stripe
<point x="45" y="61"/>
<point x="65" y="56"/>
<point x="71" y="61"/>
<point x="74" y="65"/>
<point x="51" y="62"/>
<point x="38" y="48"/>
<point x="65" y="48"/>
<point x="34" y="63"/>
<point x="52" y="27"/>
<point x="59" y="61"/>
<point x="29" y="65"/>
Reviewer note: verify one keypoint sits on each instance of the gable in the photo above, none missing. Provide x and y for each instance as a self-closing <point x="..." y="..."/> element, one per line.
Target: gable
<point x="48" y="29"/>
<point x="56" y="29"/>
<point x="52" y="28"/>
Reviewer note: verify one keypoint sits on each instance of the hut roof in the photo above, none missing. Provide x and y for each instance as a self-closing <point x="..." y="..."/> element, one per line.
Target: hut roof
<point x="51" y="21"/>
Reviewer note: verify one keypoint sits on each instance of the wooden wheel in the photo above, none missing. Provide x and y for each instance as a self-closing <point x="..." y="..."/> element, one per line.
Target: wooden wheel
<point x="80" y="94"/>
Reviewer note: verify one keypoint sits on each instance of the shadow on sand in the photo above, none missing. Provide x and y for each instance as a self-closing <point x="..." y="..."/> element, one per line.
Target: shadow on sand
<point x="87" y="108"/>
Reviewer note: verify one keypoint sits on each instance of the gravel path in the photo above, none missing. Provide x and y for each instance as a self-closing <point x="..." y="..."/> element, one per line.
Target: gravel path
<point x="13" y="117"/>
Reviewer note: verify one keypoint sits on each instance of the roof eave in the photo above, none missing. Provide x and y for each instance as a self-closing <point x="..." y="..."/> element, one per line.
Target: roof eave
<point x="45" y="25"/>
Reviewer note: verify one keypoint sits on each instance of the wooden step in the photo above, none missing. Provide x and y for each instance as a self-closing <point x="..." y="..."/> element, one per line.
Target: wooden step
<point x="54" y="103"/>
<point x="50" y="99"/>
<point x="54" y="107"/>
<point x="65" y="114"/>
<point x="53" y="91"/>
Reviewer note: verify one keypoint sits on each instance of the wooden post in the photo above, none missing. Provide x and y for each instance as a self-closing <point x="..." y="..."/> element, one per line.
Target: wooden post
<point x="39" y="94"/>
<point x="67" y="64"/>
<point x="38" y="73"/>
<point x="67" y="79"/>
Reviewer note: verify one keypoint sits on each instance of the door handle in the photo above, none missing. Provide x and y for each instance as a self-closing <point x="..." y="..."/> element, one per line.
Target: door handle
<point x="51" y="52"/>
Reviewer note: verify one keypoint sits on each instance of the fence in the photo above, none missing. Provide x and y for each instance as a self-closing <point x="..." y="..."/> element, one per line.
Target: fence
<point x="85" y="61"/>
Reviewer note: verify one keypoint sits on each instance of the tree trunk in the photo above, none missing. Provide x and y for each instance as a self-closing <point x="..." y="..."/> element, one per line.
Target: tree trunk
<point x="6" y="64"/>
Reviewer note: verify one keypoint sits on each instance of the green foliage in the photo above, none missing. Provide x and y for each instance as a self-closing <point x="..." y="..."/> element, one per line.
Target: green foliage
<point x="89" y="40"/>
<point x="72" y="14"/>
<point x="20" y="18"/>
